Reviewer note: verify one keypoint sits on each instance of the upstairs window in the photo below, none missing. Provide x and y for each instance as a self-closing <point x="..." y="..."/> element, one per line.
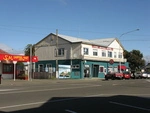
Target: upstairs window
<point x="86" y="51"/>
<point x="95" y="52"/>
<point x="103" y="53"/>
<point x="115" y="55"/>
<point x="109" y="54"/>
<point x="120" y="55"/>
<point x="61" y="51"/>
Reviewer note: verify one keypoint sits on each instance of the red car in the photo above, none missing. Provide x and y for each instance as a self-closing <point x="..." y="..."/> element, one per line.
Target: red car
<point x="126" y="75"/>
<point x="113" y="75"/>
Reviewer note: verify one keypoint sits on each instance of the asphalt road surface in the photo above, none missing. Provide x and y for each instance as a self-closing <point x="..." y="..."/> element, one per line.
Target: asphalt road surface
<point x="76" y="96"/>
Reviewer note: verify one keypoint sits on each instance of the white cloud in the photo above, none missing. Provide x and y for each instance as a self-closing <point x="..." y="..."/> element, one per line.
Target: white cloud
<point x="147" y="59"/>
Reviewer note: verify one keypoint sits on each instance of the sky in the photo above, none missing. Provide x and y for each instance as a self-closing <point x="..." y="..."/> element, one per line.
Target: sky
<point x="24" y="22"/>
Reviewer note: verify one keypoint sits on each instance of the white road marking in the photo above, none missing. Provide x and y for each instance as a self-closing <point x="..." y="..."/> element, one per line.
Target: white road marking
<point x="51" y="101"/>
<point x="70" y="111"/>
<point x="148" y="80"/>
<point x="8" y="89"/>
<point x="36" y="103"/>
<point x="121" y="104"/>
<point x="41" y="90"/>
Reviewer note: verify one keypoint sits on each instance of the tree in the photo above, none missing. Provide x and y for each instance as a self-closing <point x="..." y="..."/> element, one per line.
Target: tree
<point x="135" y="59"/>
<point x="27" y="50"/>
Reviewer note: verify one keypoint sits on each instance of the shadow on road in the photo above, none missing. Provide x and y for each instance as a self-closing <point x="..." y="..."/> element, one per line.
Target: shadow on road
<point x="113" y="104"/>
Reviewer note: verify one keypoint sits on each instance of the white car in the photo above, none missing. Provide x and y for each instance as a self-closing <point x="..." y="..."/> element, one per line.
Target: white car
<point x="144" y="75"/>
<point x="148" y="75"/>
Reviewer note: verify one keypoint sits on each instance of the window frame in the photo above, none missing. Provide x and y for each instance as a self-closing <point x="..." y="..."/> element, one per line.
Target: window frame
<point x="8" y="68"/>
<point x="101" y="69"/>
<point x="120" y="55"/>
<point x="61" y="52"/>
<point x="41" y="69"/>
<point x="95" y="51"/>
<point x="103" y="53"/>
<point x="86" y="51"/>
<point x="110" y="54"/>
<point x="115" y="54"/>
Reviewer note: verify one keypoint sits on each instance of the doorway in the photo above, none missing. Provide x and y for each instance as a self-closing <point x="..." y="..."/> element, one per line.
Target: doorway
<point x="95" y="70"/>
<point x="87" y="72"/>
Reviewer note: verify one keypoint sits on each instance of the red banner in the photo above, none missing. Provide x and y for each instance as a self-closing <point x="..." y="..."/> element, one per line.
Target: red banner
<point x="20" y="58"/>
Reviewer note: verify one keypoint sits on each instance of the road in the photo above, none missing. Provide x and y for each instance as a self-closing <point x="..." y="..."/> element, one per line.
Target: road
<point x="77" y="96"/>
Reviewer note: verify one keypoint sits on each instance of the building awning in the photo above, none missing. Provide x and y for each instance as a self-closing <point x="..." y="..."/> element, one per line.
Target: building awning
<point x="21" y="58"/>
<point x="122" y="67"/>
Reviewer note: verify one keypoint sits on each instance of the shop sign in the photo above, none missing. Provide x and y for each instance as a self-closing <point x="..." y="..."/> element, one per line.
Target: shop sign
<point x="21" y="58"/>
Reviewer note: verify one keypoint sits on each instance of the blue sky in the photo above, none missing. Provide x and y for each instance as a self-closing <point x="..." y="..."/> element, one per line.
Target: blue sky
<point x="25" y="22"/>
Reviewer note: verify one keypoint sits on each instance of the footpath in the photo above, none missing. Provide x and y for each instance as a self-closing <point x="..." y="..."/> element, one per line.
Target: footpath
<point x="11" y="82"/>
<point x="17" y="82"/>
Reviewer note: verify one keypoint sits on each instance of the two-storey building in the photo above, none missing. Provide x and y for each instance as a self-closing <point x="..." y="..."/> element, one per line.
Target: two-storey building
<point x="79" y="58"/>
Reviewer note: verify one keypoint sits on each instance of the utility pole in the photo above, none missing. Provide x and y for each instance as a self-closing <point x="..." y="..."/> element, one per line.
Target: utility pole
<point x="30" y="64"/>
<point x="56" y="53"/>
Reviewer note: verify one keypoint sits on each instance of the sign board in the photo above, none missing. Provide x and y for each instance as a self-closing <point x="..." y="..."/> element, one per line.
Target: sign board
<point x="20" y="58"/>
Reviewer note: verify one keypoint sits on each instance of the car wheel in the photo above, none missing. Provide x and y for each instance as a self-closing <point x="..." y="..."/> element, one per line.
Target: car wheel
<point x="106" y="78"/>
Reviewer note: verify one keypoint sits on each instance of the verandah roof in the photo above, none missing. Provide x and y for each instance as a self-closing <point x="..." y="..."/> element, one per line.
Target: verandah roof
<point x="21" y="58"/>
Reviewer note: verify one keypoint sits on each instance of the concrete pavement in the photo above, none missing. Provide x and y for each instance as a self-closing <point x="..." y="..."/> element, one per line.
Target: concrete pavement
<point x="11" y="82"/>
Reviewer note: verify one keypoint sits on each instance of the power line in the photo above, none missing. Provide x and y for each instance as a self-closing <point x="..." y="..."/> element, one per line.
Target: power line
<point x="72" y="30"/>
<point x="137" y="40"/>
<point x="23" y="31"/>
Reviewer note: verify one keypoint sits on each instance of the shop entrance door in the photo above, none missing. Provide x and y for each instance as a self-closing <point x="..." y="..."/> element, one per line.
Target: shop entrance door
<point x="87" y="72"/>
<point x="95" y="70"/>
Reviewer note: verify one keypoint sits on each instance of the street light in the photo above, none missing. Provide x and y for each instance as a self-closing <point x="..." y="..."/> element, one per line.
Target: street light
<point x="120" y="48"/>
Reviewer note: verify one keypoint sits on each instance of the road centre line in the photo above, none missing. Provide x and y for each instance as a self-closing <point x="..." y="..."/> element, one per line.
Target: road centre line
<point x="48" y="89"/>
<point x="121" y="104"/>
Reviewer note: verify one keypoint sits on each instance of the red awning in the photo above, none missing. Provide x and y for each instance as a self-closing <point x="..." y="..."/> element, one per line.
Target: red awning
<point x="122" y="67"/>
<point x="9" y="57"/>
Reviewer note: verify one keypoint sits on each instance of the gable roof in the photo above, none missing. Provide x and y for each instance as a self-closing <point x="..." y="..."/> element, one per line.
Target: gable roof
<point x="73" y="39"/>
<point x="102" y="42"/>
<point x="3" y="52"/>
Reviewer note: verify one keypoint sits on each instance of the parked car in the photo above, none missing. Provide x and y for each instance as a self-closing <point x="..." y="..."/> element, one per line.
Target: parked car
<point x="136" y="75"/>
<point x="148" y="75"/>
<point x="144" y="75"/>
<point x="113" y="75"/>
<point x="126" y="75"/>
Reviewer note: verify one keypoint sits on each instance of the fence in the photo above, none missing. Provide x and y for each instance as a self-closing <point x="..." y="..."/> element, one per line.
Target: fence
<point x="44" y="74"/>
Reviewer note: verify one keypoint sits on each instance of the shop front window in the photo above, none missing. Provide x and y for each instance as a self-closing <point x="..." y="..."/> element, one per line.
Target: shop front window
<point x="8" y="68"/>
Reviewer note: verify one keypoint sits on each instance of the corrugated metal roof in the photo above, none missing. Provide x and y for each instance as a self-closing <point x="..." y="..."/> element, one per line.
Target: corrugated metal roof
<point x="103" y="42"/>
<point x="73" y="39"/>
<point x="3" y="52"/>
